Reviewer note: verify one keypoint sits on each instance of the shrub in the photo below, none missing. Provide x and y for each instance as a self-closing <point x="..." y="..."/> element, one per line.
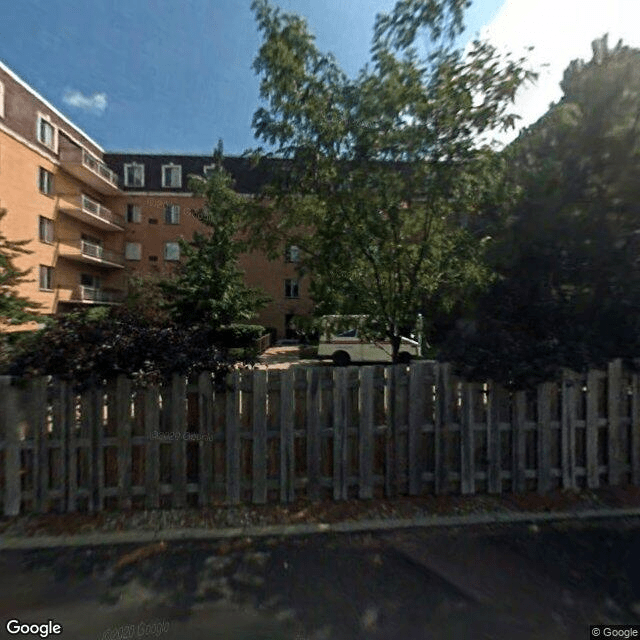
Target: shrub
<point x="89" y="350"/>
<point x="238" y="335"/>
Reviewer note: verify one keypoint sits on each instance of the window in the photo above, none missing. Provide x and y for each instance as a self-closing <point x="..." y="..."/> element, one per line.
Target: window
<point x="171" y="251"/>
<point x="45" y="181"/>
<point x="133" y="251"/>
<point x="291" y="289"/>
<point x="134" y="175"/>
<point x="46" y="230"/>
<point x="133" y="213"/>
<point x="172" y="214"/>
<point x="1" y="100"/>
<point x="46" y="277"/>
<point x="171" y="175"/>
<point x="292" y="254"/>
<point x="46" y="132"/>
<point x="89" y="280"/>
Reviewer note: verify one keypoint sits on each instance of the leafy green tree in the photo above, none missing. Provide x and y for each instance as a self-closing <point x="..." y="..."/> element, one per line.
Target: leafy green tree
<point x="568" y="256"/>
<point x="14" y="308"/>
<point x="377" y="171"/>
<point x="208" y="287"/>
<point x="146" y="297"/>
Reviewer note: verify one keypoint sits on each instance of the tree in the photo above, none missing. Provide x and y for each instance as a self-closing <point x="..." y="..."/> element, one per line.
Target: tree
<point x="14" y="308"/>
<point x="568" y="257"/>
<point x="146" y="297"/>
<point x="208" y="287"/>
<point x="377" y="170"/>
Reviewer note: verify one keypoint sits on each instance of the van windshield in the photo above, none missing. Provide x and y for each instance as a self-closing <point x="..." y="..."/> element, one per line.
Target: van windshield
<point x="351" y="333"/>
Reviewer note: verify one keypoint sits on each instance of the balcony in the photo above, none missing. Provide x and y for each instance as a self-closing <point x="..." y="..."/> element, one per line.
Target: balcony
<point x="94" y="295"/>
<point x="87" y="210"/>
<point x="91" y="253"/>
<point x="87" y="168"/>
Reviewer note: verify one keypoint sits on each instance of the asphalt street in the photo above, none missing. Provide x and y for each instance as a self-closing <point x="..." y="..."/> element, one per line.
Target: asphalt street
<point x="480" y="582"/>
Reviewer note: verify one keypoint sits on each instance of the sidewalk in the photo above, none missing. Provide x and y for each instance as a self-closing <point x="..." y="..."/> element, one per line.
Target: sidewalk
<point x="305" y="518"/>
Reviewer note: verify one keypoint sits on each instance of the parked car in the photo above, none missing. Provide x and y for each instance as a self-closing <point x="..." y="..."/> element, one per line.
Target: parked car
<point x="350" y="345"/>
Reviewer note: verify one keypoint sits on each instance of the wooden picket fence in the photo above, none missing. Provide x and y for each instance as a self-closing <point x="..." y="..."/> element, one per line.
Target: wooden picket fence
<point x="311" y="433"/>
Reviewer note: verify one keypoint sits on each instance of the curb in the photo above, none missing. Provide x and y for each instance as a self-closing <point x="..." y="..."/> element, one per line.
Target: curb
<point x="172" y="535"/>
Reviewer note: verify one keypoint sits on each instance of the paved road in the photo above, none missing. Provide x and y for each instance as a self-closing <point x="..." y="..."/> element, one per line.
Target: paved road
<point x="479" y="583"/>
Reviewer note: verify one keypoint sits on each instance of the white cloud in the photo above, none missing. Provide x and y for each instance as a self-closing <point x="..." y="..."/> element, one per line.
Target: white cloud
<point x="560" y="31"/>
<point x="96" y="103"/>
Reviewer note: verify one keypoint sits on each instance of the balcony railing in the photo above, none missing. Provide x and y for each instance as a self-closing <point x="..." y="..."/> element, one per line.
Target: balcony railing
<point x="95" y="294"/>
<point x="96" y="209"/>
<point x="87" y="168"/>
<point x="91" y="162"/>
<point x="86" y="251"/>
<point x="97" y="251"/>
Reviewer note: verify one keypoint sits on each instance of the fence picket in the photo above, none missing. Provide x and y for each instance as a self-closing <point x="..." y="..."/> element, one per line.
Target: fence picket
<point x="96" y="420"/>
<point x="287" y="459"/>
<point x="340" y="417"/>
<point x="313" y="433"/>
<point x="635" y="429"/>
<point x="544" y="437"/>
<point x="365" y="435"/>
<point x="259" y="460"/>
<point x="9" y="425"/>
<point x="593" y="474"/>
<point x="494" y="453"/>
<point x="467" y="441"/>
<point x="568" y="433"/>
<point x="38" y="416"/>
<point x="205" y="446"/>
<point x="152" y="447"/>
<point x="123" y="426"/>
<point x="519" y="444"/>
<point x="70" y="451"/>
<point x="614" y="422"/>
<point x="232" y="438"/>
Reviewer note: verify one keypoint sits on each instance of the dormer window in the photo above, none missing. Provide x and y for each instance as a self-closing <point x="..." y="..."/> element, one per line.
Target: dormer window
<point x="172" y="176"/>
<point x="134" y="175"/>
<point x="46" y="133"/>
<point x="208" y="170"/>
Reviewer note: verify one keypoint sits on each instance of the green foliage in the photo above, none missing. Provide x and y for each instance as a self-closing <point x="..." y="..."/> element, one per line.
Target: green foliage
<point x="146" y="298"/>
<point x="208" y="287"/>
<point x="88" y="350"/>
<point x="379" y="169"/>
<point x="239" y="335"/>
<point x="14" y="308"/>
<point x="568" y="256"/>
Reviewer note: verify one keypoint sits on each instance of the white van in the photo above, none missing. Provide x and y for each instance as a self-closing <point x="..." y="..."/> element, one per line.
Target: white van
<point x="345" y="346"/>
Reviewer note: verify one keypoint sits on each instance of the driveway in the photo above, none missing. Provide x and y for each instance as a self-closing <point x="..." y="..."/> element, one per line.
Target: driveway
<point x="480" y="583"/>
<point x="284" y="357"/>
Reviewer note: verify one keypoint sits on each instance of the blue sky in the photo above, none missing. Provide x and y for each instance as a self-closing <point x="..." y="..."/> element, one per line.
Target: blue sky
<point x="167" y="76"/>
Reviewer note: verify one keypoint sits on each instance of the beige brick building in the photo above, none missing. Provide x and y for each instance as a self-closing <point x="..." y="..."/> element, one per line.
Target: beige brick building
<point x="94" y="218"/>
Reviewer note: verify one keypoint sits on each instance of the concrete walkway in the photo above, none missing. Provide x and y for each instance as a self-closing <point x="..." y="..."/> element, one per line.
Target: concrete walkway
<point x="306" y="529"/>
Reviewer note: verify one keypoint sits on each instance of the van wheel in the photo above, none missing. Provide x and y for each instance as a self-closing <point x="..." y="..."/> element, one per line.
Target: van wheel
<point x="404" y="358"/>
<point x="341" y="358"/>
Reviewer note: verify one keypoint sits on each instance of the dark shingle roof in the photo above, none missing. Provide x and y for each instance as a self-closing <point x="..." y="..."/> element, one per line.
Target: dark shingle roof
<point x="248" y="178"/>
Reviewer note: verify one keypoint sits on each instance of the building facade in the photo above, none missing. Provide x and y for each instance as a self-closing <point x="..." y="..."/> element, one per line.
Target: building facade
<point x="95" y="218"/>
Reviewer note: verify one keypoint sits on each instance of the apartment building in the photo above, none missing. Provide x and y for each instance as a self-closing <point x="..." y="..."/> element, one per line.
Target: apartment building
<point x="95" y="218"/>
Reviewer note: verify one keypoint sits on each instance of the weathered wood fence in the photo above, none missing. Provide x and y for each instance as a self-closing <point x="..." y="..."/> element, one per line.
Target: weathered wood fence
<point x="317" y="432"/>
